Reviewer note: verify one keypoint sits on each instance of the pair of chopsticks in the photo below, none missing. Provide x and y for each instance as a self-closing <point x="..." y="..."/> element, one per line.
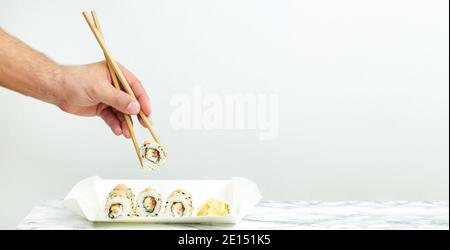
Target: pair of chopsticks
<point x="119" y="80"/>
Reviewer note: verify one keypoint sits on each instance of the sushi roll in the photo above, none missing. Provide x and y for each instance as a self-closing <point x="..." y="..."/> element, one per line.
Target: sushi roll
<point x="148" y="203"/>
<point x="120" y="202"/>
<point x="179" y="204"/>
<point x="153" y="155"/>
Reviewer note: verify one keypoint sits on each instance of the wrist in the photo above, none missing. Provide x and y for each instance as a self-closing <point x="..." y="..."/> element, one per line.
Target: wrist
<point x="58" y="83"/>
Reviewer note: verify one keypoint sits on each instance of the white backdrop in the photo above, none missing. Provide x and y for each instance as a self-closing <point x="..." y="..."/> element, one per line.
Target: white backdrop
<point x="363" y="96"/>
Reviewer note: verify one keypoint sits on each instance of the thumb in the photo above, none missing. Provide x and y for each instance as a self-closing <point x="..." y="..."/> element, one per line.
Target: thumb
<point x="119" y="100"/>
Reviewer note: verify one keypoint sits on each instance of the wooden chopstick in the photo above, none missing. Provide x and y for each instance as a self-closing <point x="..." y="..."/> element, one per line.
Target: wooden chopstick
<point x="119" y="73"/>
<point x="117" y="86"/>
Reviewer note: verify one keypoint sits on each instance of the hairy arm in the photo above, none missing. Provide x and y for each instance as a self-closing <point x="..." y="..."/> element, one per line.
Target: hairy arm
<point x="27" y="71"/>
<point x="83" y="90"/>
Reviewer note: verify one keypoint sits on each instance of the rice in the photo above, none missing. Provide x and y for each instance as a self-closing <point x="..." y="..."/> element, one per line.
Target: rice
<point x="120" y="202"/>
<point x="148" y="203"/>
<point x="179" y="204"/>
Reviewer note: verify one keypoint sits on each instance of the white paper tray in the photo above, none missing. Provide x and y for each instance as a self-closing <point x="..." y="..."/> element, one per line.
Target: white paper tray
<point x="87" y="198"/>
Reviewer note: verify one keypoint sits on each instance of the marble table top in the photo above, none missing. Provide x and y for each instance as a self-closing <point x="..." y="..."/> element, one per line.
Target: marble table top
<point x="276" y="215"/>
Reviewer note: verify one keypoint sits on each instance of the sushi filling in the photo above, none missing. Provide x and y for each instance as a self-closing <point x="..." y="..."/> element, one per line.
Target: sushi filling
<point x="178" y="209"/>
<point x="115" y="210"/>
<point x="152" y="154"/>
<point x="149" y="204"/>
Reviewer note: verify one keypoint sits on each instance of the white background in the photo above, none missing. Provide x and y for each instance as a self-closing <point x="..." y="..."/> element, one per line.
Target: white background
<point x="363" y="89"/>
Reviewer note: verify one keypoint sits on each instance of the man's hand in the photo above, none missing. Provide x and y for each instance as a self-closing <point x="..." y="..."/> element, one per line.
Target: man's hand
<point x="86" y="90"/>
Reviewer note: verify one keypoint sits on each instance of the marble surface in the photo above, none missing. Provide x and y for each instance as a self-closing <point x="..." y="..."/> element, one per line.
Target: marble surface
<point x="276" y="215"/>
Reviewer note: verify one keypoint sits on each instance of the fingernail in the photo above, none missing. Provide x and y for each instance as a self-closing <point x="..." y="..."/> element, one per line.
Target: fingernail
<point x="133" y="107"/>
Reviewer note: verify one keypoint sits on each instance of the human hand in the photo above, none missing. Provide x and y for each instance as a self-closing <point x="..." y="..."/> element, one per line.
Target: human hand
<point x="86" y="90"/>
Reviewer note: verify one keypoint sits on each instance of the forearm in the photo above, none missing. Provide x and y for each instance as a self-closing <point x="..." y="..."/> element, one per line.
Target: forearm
<point x="27" y="71"/>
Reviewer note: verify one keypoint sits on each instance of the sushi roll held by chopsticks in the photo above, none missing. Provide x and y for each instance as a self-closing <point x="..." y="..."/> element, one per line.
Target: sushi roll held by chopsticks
<point x="120" y="202"/>
<point x="153" y="155"/>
